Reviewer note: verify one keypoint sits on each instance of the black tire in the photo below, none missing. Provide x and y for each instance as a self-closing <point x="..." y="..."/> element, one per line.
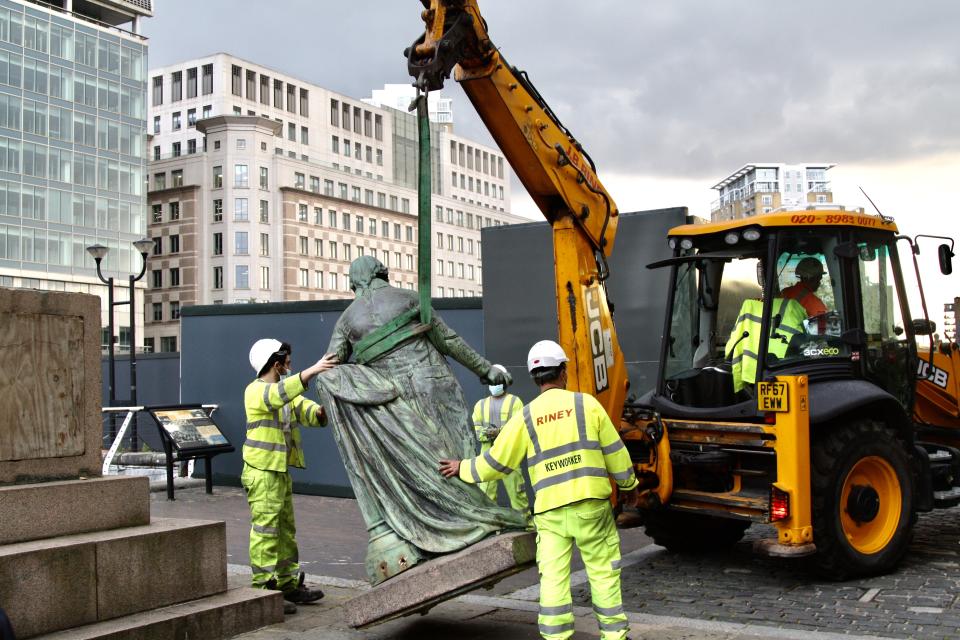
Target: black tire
<point x="683" y="532"/>
<point x="858" y="447"/>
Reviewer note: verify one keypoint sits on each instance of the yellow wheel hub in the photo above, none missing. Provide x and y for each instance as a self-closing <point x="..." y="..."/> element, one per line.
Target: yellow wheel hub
<point x="870" y="505"/>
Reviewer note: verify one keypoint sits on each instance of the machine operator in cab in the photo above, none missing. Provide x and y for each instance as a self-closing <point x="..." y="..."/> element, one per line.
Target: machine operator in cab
<point x="572" y="450"/>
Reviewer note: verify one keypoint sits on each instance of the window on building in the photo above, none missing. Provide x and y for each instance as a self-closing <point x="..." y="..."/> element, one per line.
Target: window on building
<point x="236" y="81"/>
<point x="409" y="235"/>
<point x="302" y="212"/>
<point x="333" y="250"/>
<point x="218" y="277"/>
<point x="242" y="276"/>
<point x="318" y="216"/>
<point x="157" y="311"/>
<point x="240" y="178"/>
<point x="156" y="278"/>
<point x="378" y="127"/>
<point x="175" y="310"/>
<point x="218" y="177"/>
<point x="304" y="135"/>
<point x="168" y="344"/>
<point x="157" y="213"/>
<point x="315" y="184"/>
<point x="175" y="120"/>
<point x="241" y="243"/>
<point x="318" y="247"/>
<point x="191" y="146"/>
<point x="157" y="91"/>
<point x="278" y="94"/>
<point x="385" y="229"/>
<point x="158" y="246"/>
<point x="240" y="209"/>
<point x="218" y="244"/>
<point x="265" y="211"/>
<point x="175" y="209"/>
<point x="175" y="277"/>
<point x="347" y="252"/>
<point x="332" y="219"/>
<point x="218" y="210"/>
<point x="379" y="157"/>
<point x="159" y="181"/>
<point x="318" y="278"/>
<point x="299" y="180"/>
<point x="373" y="227"/>
<point x="334" y="112"/>
<point x="265" y="245"/>
<point x="207" y="79"/>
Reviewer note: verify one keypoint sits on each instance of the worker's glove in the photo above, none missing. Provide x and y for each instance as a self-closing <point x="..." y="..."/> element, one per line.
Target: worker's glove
<point x="495" y="376"/>
<point x="491" y="432"/>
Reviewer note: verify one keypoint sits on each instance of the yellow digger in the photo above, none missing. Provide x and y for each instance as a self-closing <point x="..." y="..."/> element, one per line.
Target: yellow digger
<point x="820" y="419"/>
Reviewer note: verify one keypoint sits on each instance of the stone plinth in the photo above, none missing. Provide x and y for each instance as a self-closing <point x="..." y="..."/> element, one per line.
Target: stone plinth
<point x="51" y="509"/>
<point x="50" y="424"/>
<point x="432" y="582"/>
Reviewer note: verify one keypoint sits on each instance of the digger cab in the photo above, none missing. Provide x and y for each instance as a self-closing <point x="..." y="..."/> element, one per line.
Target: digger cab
<point x="818" y="293"/>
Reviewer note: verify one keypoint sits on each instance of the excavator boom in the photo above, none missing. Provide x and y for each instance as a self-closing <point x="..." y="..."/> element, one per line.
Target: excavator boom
<point x="560" y="177"/>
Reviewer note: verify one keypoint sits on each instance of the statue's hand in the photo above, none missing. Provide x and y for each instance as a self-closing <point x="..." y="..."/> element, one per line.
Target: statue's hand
<point x="495" y="376"/>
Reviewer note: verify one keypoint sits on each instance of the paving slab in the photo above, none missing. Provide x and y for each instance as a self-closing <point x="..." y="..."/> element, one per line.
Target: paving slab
<point x="424" y="586"/>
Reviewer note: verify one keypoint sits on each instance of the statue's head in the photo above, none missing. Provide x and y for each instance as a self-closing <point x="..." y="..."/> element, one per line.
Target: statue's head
<point x="364" y="271"/>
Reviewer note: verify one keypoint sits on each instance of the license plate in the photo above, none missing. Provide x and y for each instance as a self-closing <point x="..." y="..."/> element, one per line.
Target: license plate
<point x="773" y="396"/>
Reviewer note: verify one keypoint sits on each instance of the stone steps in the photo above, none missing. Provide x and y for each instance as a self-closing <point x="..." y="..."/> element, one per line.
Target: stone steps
<point x="223" y="615"/>
<point x="50" y="509"/>
<point x="90" y="577"/>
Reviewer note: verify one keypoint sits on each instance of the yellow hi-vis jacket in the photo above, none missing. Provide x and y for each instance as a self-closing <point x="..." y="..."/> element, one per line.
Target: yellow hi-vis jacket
<point x="274" y="412"/>
<point x="786" y="321"/>
<point x="572" y="450"/>
<point x="492" y="413"/>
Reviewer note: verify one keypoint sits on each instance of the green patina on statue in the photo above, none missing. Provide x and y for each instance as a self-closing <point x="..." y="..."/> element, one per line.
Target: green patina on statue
<point x="395" y="412"/>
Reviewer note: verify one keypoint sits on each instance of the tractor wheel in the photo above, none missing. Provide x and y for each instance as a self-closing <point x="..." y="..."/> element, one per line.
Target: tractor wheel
<point x="862" y="500"/>
<point x="683" y="532"/>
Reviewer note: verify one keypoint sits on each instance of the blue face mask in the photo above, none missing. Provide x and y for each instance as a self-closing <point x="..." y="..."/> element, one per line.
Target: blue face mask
<point x="496" y="390"/>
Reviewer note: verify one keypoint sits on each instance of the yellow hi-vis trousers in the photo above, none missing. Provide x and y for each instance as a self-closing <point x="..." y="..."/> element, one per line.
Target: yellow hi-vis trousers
<point x="590" y="525"/>
<point x="513" y="484"/>
<point x="273" y="545"/>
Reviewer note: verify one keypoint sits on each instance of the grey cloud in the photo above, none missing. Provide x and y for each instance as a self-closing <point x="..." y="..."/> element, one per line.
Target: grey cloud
<point x="685" y="88"/>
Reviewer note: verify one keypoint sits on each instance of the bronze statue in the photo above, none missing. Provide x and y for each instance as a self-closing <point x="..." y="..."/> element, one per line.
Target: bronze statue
<point x="394" y="413"/>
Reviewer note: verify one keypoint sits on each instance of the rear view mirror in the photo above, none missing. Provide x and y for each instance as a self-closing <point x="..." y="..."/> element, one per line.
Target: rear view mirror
<point x="923" y="327"/>
<point x="946" y="259"/>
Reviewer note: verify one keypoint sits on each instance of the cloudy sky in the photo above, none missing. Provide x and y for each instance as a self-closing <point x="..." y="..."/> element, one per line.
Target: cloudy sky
<point x="667" y="97"/>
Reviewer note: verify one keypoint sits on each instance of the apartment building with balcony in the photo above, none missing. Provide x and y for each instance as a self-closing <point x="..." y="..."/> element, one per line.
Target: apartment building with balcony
<point x="263" y="187"/>
<point x="760" y="188"/>
<point x="72" y="157"/>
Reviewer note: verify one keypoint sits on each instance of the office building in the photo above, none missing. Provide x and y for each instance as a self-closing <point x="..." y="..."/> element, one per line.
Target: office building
<point x="72" y="157"/>
<point x="263" y="187"/>
<point x="761" y="188"/>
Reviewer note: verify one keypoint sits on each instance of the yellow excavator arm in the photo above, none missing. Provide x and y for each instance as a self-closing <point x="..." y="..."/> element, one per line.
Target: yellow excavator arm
<point x="560" y="177"/>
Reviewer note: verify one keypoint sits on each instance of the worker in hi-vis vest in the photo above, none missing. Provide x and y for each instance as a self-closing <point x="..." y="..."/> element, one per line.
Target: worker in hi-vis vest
<point x="572" y="450"/>
<point x="275" y="406"/>
<point x="489" y="416"/>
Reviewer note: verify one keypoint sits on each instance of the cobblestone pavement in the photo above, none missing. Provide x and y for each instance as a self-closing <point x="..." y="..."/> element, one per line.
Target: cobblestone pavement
<point x="727" y="595"/>
<point x="919" y="600"/>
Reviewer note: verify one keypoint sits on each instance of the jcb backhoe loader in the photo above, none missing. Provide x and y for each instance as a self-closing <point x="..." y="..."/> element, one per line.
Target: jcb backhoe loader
<point x="830" y="427"/>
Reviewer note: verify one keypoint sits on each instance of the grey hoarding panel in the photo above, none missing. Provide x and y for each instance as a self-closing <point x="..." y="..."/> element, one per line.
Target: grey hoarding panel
<point x="158" y="376"/>
<point x="215" y="343"/>
<point x="519" y="300"/>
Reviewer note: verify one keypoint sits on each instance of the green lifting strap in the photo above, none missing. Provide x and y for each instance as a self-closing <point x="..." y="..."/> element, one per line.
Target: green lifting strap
<point x="387" y="336"/>
<point x="424" y="193"/>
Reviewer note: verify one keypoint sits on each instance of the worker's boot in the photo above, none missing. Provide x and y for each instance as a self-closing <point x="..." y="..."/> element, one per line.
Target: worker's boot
<point x="302" y="594"/>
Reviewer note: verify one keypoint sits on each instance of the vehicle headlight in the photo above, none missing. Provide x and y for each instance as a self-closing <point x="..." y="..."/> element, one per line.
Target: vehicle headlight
<point x="732" y="238"/>
<point x="686" y="243"/>
<point x="752" y="234"/>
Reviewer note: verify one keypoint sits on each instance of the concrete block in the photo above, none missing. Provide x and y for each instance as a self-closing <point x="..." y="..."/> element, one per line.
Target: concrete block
<point x="430" y="583"/>
<point x="212" y="618"/>
<point x="59" y="583"/>
<point x="50" y="424"/>
<point x="51" y="509"/>
<point x="48" y="587"/>
<point x="167" y="562"/>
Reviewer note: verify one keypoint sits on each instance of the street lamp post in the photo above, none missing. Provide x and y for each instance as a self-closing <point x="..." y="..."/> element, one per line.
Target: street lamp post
<point x="98" y="252"/>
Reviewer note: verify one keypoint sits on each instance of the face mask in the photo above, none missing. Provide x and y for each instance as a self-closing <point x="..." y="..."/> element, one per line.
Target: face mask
<point x="496" y="390"/>
<point x="284" y="373"/>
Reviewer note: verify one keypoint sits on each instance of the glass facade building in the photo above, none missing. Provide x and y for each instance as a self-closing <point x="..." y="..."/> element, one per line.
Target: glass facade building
<point x="72" y="147"/>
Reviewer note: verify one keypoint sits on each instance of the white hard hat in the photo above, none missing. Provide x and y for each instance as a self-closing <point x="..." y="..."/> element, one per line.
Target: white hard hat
<point x="261" y="351"/>
<point x="545" y="353"/>
<point x="499" y="367"/>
